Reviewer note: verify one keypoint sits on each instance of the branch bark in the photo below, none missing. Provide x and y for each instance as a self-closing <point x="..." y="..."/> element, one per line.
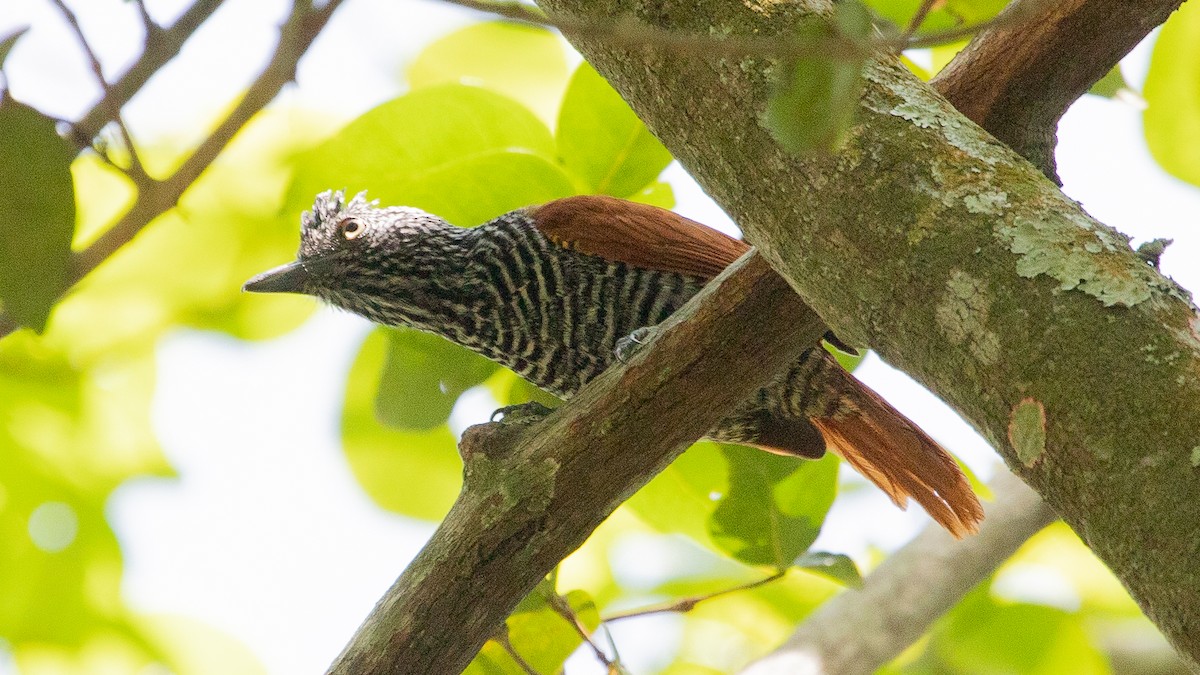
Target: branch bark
<point x="960" y="263"/>
<point x="861" y="630"/>
<point x="533" y="492"/>
<point x="1017" y="80"/>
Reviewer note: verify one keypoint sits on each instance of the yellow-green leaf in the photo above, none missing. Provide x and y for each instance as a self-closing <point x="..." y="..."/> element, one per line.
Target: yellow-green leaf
<point x="525" y="63"/>
<point x="1172" y="93"/>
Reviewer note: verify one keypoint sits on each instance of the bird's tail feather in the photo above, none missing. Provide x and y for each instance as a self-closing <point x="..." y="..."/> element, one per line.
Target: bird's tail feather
<point x="902" y="460"/>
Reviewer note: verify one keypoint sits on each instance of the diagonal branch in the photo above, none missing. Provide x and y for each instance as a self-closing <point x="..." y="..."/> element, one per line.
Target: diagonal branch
<point x="1017" y="81"/>
<point x="533" y="492"/>
<point x="862" y="630"/>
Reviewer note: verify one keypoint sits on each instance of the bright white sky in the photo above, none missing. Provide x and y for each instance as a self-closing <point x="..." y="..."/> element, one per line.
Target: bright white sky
<point x="266" y="535"/>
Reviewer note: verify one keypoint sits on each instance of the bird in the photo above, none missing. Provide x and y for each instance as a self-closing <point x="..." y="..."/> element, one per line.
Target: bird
<point x="555" y="291"/>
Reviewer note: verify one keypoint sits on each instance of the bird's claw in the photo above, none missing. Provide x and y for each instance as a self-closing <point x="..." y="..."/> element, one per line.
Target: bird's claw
<point x="514" y="413"/>
<point x="630" y="344"/>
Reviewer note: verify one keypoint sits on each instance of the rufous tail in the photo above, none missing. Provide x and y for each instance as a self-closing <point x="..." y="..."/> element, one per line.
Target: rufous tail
<point x="902" y="460"/>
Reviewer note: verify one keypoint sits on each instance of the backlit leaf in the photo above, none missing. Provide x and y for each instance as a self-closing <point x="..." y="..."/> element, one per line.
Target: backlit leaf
<point x="1112" y="83"/>
<point x="836" y="566"/>
<point x="463" y="153"/>
<point x="603" y="142"/>
<point x="815" y="97"/>
<point x="525" y="63"/>
<point x="414" y="473"/>
<point x="1172" y="93"/>
<point x="7" y="43"/>
<point x="423" y="377"/>
<point x="39" y="213"/>
<point x="775" y="505"/>
<point x="683" y="496"/>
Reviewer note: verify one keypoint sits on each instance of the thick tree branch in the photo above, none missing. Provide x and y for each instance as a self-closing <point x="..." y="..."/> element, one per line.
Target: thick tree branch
<point x="859" y="631"/>
<point x="1016" y="81"/>
<point x="534" y="492"/>
<point x="954" y="258"/>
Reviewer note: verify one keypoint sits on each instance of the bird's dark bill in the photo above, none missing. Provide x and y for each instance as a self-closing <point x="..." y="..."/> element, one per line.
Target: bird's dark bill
<point x="287" y="278"/>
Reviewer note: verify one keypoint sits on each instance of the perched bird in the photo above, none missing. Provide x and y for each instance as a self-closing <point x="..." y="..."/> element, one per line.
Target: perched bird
<point x="549" y="291"/>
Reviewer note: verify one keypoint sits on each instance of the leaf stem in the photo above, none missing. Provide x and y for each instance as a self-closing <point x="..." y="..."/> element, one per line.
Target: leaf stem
<point x="688" y="604"/>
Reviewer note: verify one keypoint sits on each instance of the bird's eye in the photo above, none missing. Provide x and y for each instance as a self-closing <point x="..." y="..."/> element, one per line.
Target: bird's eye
<point x="350" y="228"/>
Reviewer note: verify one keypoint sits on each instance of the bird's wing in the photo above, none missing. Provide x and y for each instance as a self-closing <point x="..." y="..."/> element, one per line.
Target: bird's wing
<point x="637" y="234"/>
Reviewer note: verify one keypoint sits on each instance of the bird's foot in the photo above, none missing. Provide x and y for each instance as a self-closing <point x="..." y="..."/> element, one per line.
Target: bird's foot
<point x="520" y="412"/>
<point x="630" y="344"/>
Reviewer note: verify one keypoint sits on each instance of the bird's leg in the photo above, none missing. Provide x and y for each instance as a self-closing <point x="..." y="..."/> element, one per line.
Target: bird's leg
<point x="521" y="412"/>
<point x="630" y="344"/>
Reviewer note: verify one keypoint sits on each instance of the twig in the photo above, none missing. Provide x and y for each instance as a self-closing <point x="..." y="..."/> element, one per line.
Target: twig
<point x="563" y="609"/>
<point x="135" y="170"/>
<point x="162" y="45"/>
<point x="960" y="32"/>
<point x="918" y="18"/>
<point x="503" y="640"/>
<point x="148" y="23"/>
<point x="688" y="604"/>
<point x="298" y="32"/>
<point x="628" y="32"/>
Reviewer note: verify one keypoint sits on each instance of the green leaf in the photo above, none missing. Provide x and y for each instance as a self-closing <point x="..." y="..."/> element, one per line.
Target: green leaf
<point x="815" y="98"/>
<point x="1172" y="93"/>
<point x="845" y="359"/>
<point x="541" y="636"/>
<point x="8" y="42"/>
<point x="603" y="142"/>
<point x="775" y="505"/>
<point x="422" y="378"/>
<point x="836" y="566"/>
<point x="544" y="638"/>
<point x="39" y="213"/>
<point x="944" y="15"/>
<point x="658" y="194"/>
<point x="979" y="634"/>
<point x="414" y="473"/>
<point x="464" y="153"/>
<point x="525" y="63"/>
<point x="683" y="497"/>
<point x="1111" y="84"/>
<point x="512" y="389"/>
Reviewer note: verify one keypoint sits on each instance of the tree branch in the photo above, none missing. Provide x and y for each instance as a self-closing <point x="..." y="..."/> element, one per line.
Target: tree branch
<point x="157" y="197"/>
<point x="135" y="171"/>
<point x="859" y="631"/>
<point x="958" y="262"/>
<point x="533" y="492"/>
<point x="162" y="45"/>
<point x="1017" y="81"/>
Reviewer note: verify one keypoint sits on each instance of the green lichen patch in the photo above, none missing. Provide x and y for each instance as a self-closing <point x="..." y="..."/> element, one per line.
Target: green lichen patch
<point x="1080" y="255"/>
<point x="902" y="95"/>
<point x="1196" y="456"/>
<point x="962" y="314"/>
<point x="990" y="203"/>
<point x="1027" y="431"/>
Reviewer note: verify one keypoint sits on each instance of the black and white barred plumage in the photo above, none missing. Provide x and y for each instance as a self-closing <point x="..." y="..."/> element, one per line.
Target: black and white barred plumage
<point x="504" y="290"/>
<point x="549" y="291"/>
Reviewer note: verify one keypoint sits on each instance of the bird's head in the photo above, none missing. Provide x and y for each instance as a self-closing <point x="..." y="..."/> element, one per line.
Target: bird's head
<point x="356" y="255"/>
